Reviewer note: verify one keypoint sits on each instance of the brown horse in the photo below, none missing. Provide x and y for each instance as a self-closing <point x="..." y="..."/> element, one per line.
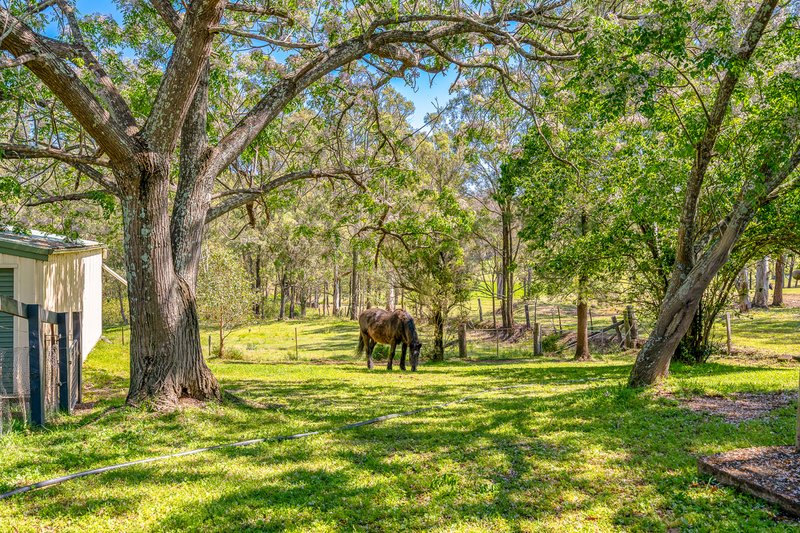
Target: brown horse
<point x="392" y="328"/>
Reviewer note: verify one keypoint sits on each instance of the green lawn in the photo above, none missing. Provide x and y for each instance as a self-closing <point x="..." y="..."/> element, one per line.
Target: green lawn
<point x="772" y="331"/>
<point x="569" y="449"/>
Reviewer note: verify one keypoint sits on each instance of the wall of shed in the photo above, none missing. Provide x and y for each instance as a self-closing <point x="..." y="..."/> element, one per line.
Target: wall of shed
<point x="66" y="282"/>
<point x="74" y="282"/>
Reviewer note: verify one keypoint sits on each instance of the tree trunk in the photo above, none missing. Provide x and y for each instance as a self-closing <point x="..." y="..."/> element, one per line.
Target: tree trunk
<point x="354" y="287"/>
<point x="678" y="310"/>
<point x="762" y="283"/>
<point x="438" y="319"/>
<point x="582" y="347"/>
<point x="390" y="296"/>
<point x="257" y="307"/>
<point x="507" y="270"/>
<point x="221" y="353"/>
<point x="691" y="348"/>
<point x="337" y="293"/>
<point x="743" y="288"/>
<point x="282" y="308"/>
<point x="777" y="294"/>
<point x="791" y="270"/>
<point x="166" y="355"/>
<point x="495" y="282"/>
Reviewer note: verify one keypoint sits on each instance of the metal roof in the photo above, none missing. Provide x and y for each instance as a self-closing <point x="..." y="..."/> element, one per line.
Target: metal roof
<point x="39" y="245"/>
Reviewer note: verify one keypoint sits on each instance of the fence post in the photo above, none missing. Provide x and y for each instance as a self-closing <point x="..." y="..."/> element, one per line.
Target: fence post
<point x="78" y="340"/>
<point x="480" y="311"/>
<point x="616" y="327"/>
<point x="527" y="317"/>
<point x="728" y="331"/>
<point x="63" y="364"/>
<point x="462" y="340"/>
<point x="537" y="338"/>
<point x="632" y="326"/>
<point x="627" y="324"/>
<point x="36" y="370"/>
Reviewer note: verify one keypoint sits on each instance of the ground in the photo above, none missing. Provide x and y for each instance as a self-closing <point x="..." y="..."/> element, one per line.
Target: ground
<point x="569" y="448"/>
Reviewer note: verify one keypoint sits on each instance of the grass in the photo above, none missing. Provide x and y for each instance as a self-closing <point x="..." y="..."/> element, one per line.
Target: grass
<point x="775" y="330"/>
<point x="570" y="449"/>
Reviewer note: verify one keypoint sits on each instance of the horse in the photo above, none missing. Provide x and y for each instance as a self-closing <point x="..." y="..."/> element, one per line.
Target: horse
<point x="392" y="328"/>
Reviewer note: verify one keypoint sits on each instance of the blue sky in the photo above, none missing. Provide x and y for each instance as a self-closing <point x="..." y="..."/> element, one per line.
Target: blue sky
<point x="427" y="93"/>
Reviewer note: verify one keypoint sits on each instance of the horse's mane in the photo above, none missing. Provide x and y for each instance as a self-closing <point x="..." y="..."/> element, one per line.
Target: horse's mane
<point x="412" y="329"/>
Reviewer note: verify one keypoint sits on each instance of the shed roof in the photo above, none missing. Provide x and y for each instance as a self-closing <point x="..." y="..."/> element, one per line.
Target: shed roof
<point x="39" y="245"/>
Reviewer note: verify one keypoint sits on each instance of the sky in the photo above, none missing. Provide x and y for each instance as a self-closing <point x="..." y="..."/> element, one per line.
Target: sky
<point x="428" y="93"/>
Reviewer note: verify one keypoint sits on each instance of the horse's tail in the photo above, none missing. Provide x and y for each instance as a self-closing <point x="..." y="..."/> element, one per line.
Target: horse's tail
<point x="360" y="347"/>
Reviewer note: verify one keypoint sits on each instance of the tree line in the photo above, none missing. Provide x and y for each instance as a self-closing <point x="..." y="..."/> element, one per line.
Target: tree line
<point x="632" y="150"/>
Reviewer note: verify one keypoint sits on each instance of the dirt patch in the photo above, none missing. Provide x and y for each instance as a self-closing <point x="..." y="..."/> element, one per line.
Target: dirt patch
<point x="791" y="300"/>
<point x="738" y="407"/>
<point x="771" y="473"/>
<point x="186" y="401"/>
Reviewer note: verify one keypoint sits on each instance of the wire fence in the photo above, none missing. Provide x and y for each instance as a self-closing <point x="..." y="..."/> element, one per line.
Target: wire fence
<point x="14" y="388"/>
<point x="520" y="341"/>
<point x="15" y="381"/>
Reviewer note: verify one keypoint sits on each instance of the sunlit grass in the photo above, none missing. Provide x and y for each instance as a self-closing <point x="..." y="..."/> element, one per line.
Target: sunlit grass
<point x="569" y="449"/>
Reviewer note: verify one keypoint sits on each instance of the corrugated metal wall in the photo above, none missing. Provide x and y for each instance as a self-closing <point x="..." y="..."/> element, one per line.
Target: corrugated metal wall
<point x="6" y="335"/>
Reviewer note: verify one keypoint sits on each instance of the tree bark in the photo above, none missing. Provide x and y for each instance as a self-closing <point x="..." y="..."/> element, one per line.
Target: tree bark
<point x="761" y="297"/>
<point x="438" y="318"/>
<point x="258" y="306"/>
<point x="390" y="296"/>
<point x="743" y="288"/>
<point x="582" y="347"/>
<point x="166" y="355"/>
<point x="777" y="294"/>
<point x="282" y="308"/>
<point x="507" y="269"/>
<point x="354" y="287"/>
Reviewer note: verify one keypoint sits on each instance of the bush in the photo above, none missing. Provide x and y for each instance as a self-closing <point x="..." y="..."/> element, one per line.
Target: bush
<point x="230" y="353"/>
<point x="550" y="342"/>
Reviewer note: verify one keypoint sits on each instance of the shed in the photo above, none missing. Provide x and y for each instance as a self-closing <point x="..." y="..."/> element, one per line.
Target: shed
<point x="57" y="273"/>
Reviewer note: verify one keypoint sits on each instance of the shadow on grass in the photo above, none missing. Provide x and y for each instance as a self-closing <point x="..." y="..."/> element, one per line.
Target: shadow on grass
<point x="585" y="449"/>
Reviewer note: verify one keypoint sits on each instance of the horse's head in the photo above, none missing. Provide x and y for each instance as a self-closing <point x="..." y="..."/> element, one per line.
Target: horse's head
<point x="415" y="348"/>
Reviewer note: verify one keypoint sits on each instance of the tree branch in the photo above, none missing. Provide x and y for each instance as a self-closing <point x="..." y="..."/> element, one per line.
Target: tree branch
<point x="21" y="60"/>
<point x="371" y="42"/>
<point x="179" y="83"/>
<point x="239" y="197"/>
<point x="88" y="195"/>
<point x="104" y="127"/>
<point x="19" y="151"/>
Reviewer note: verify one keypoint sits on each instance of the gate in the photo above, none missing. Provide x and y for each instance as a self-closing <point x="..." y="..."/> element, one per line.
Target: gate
<point x="54" y="359"/>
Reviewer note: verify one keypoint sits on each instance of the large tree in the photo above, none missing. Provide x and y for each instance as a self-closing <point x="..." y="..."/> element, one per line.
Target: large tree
<point x="746" y="131"/>
<point x="136" y="134"/>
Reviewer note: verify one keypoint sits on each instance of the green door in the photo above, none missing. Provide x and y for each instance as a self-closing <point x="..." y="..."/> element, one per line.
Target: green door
<point x="6" y="335"/>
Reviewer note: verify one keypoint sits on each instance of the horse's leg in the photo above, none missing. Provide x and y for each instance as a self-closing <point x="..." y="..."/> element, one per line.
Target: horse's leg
<point x="391" y="356"/>
<point x="403" y="356"/>
<point x="370" y="347"/>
